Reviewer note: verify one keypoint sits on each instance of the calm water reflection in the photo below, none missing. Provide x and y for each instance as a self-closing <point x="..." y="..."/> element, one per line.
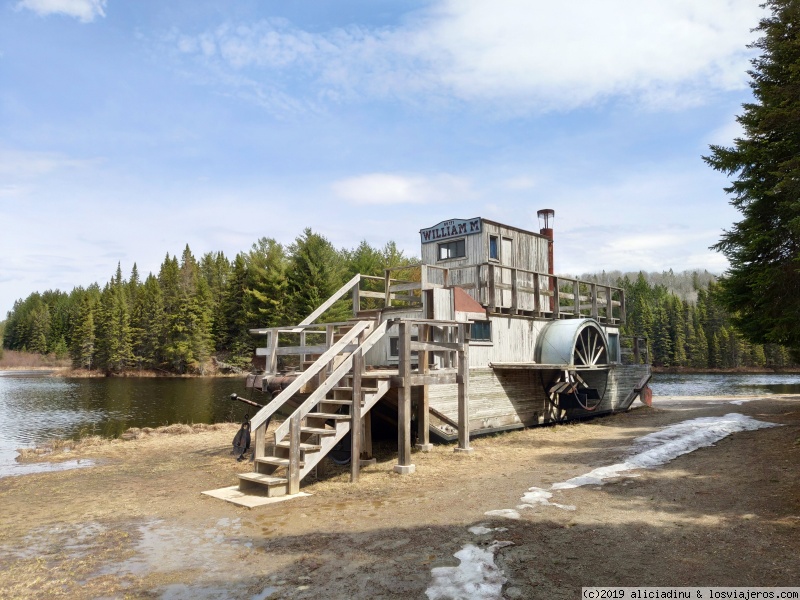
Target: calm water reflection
<point x="724" y="384"/>
<point x="35" y="408"/>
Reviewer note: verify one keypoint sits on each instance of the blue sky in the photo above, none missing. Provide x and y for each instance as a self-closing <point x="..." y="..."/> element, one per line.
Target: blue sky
<point x="129" y="129"/>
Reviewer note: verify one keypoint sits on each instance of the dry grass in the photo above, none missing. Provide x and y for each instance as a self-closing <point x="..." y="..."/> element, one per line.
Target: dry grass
<point x="13" y="360"/>
<point x="64" y="447"/>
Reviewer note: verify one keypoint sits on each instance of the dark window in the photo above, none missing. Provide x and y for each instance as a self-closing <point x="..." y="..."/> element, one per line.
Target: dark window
<point x="493" y="250"/>
<point x="394" y="346"/>
<point x="481" y="331"/>
<point x="454" y="249"/>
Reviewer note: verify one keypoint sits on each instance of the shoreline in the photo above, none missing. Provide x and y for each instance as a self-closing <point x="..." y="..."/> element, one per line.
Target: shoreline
<point x="111" y="529"/>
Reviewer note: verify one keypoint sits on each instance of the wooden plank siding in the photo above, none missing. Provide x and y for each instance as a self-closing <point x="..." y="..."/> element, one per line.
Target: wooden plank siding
<point x="505" y="398"/>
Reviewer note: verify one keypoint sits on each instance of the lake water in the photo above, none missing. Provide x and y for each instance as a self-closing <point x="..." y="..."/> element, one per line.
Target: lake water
<point x="35" y="408"/>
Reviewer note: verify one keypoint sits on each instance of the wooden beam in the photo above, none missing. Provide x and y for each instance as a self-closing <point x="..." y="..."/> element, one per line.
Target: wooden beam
<point x="423" y="413"/>
<point x="435" y="346"/>
<point x="294" y="455"/>
<point x="404" y="465"/>
<point x="355" y="417"/>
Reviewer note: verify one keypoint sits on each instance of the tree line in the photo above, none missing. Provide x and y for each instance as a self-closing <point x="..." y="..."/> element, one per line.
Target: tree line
<point x="698" y="333"/>
<point x="192" y="311"/>
<point x="195" y="312"/>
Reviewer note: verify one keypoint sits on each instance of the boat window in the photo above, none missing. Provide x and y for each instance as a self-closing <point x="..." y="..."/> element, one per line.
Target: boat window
<point x="481" y="331"/>
<point x="493" y="248"/>
<point x="613" y="347"/>
<point x="454" y="249"/>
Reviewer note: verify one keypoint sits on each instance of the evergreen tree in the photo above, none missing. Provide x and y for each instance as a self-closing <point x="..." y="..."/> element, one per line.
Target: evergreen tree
<point x="148" y="324"/>
<point x="237" y="313"/>
<point x="266" y="286"/>
<point x="316" y="271"/>
<point x="762" y="287"/>
<point x="83" y="336"/>
<point x="114" y="335"/>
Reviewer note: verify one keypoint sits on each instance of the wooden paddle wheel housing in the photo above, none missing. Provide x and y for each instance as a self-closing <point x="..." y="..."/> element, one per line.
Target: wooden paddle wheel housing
<point x="578" y="351"/>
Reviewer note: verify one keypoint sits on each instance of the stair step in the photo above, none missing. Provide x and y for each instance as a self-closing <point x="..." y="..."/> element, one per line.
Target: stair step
<point x="261" y="478"/>
<point x="366" y="390"/>
<point x="303" y="446"/>
<point x="276" y="461"/>
<point x="335" y="416"/>
<point x="275" y="486"/>
<point x="336" y="401"/>
<point x="317" y="431"/>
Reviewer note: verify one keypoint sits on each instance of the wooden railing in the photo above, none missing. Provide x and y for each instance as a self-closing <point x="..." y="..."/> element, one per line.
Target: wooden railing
<point x="515" y="291"/>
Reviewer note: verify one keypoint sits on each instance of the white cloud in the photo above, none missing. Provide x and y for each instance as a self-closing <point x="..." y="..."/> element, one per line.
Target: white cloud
<point x="23" y="165"/>
<point x="525" y="56"/>
<point x="388" y="188"/>
<point x="83" y="10"/>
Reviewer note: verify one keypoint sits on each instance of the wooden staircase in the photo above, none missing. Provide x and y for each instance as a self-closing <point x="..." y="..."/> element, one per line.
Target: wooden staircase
<point x="332" y="410"/>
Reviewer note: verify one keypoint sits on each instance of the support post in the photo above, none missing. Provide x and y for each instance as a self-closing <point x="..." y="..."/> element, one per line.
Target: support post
<point x="595" y="314"/>
<point x="404" y="464"/>
<point x="492" y="288"/>
<point x="423" y="414"/>
<point x="463" y="390"/>
<point x="355" y="416"/>
<point x="294" y="455"/>
<point x="356" y="299"/>
<point x="259" y="450"/>
<point x="514" y="292"/>
<point x="367" y="429"/>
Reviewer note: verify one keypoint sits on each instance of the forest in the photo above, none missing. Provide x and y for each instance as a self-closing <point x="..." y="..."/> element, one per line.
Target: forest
<point x="193" y="316"/>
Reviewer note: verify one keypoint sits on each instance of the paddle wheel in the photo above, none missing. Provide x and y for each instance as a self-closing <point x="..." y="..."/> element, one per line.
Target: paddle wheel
<point x="578" y="351"/>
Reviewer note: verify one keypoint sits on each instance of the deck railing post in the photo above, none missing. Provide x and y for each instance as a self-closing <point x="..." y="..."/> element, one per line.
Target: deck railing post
<point x="294" y="455"/>
<point x="463" y="389"/>
<point x="492" y="289"/>
<point x="555" y="301"/>
<point x="387" y="281"/>
<point x="272" y="364"/>
<point x="576" y="298"/>
<point x="404" y="464"/>
<point x="593" y="292"/>
<point x="357" y="298"/>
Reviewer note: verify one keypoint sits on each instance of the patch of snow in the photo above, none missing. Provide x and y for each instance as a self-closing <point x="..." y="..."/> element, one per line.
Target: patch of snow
<point x="477" y="577"/>
<point x="660" y="447"/>
<point x="480" y="530"/>
<point x="537" y="495"/>
<point x="508" y="513"/>
<point x="742" y="401"/>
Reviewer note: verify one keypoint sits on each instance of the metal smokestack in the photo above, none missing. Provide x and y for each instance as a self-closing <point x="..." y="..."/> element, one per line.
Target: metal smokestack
<point x="546" y="218"/>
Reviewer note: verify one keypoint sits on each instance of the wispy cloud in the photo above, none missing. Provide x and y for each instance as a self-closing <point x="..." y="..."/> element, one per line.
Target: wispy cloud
<point x="389" y="188"/>
<point x="518" y="55"/>
<point x="84" y="10"/>
<point x="23" y="165"/>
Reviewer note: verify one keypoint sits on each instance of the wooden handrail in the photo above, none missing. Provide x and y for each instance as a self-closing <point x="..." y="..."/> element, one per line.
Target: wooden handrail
<point x="270" y="409"/>
<point x="332" y="379"/>
<point x="339" y="294"/>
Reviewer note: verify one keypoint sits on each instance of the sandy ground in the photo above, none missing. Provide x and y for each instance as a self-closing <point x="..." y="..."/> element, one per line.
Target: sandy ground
<point x="135" y="524"/>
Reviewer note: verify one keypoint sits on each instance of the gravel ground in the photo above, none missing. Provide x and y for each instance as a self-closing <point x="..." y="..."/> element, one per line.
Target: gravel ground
<point x="135" y="525"/>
